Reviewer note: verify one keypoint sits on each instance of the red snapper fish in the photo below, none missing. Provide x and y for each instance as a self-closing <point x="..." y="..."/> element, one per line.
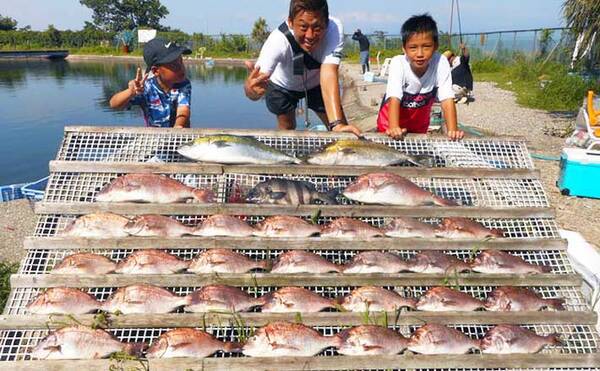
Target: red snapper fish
<point x="151" y="188"/>
<point x="391" y="189"/>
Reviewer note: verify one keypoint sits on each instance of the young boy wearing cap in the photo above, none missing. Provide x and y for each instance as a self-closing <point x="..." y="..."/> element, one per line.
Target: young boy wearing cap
<point x="416" y="79"/>
<point x="164" y="93"/>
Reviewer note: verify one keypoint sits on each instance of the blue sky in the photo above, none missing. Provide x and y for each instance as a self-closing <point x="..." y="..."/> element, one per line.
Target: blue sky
<point x="237" y="16"/>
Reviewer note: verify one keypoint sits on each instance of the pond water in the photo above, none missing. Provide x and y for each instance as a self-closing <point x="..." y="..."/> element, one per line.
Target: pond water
<point x="39" y="98"/>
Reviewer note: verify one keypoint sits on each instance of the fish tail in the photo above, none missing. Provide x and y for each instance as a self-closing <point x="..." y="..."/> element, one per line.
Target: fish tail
<point x="544" y="269"/>
<point x="554" y="339"/>
<point x="265" y="264"/>
<point x="329" y="197"/>
<point x="135" y="349"/>
<point x="443" y="202"/>
<point x="422" y="160"/>
<point x="232" y="347"/>
<point x="411" y="303"/>
<point x="497" y="232"/>
<point x="558" y="304"/>
<point x="204" y="195"/>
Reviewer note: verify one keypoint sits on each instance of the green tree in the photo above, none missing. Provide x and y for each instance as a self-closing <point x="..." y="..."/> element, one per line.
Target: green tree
<point x="260" y="30"/>
<point x="7" y="24"/>
<point x="583" y="16"/>
<point x="119" y="15"/>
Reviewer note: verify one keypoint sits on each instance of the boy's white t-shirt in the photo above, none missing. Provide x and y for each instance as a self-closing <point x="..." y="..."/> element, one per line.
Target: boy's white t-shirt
<point x="276" y="57"/>
<point x="406" y="86"/>
<point x="416" y="94"/>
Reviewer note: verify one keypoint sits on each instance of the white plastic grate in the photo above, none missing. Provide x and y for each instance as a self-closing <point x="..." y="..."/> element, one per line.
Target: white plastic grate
<point x="578" y="339"/>
<point x="232" y="188"/>
<point x="41" y="261"/>
<point x="574" y="300"/>
<point x="143" y="147"/>
<point x="50" y="225"/>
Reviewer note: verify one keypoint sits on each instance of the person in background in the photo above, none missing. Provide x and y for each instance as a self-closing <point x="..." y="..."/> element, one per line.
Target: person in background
<point x="462" y="78"/>
<point x="164" y="93"/>
<point x="416" y="79"/>
<point x="363" y="44"/>
<point x="301" y="59"/>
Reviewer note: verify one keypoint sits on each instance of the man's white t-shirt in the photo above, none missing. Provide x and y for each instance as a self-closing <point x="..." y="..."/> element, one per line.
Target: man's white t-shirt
<point x="276" y="57"/>
<point x="405" y="85"/>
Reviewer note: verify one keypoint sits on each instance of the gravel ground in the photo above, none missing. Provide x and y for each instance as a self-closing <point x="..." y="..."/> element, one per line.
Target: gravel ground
<point x="17" y="221"/>
<point x="495" y="111"/>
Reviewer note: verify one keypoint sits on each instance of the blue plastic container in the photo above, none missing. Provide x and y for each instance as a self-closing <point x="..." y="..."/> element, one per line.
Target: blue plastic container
<point x="579" y="173"/>
<point x="35" y="190"/>
<point x="11" y="192"/>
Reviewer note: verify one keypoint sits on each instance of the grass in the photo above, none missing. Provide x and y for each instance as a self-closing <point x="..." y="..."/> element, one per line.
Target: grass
<point x="536" y="85"/>
<point x="6" y="269"/>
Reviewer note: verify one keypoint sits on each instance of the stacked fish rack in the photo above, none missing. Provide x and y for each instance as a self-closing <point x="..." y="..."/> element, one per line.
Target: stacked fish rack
<point x="492" y="178"/>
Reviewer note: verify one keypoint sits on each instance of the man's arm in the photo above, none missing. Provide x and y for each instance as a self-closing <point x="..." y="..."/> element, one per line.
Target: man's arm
<point x="330" y="90"/>
<point x="182" y="120"/>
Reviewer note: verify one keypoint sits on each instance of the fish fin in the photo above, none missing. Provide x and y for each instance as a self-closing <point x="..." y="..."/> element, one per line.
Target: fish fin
<point x="275" y="345"/>
<point x="545" y="269"/>
<point x="277" y="195"/>
<point x="443" y="202"/>
<point x="181" y="345"/>
<point x="221" y="144"/>
<point x="371" y="347"/>
<point x="422" y="160"/>
<point x="348" y="151"/>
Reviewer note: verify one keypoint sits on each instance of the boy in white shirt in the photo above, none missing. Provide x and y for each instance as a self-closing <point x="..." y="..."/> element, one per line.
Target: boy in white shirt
<point x="416" y="79"/>
<point x="301" y="59"/>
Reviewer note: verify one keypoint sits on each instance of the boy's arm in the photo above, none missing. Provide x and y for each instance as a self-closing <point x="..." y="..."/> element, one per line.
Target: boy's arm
<point x="184" y="102"/>
<point x="182" y="120"/>
<point x="449" y="111"/>
<point x="134" y="87"/>
<point x="394" y="130"/>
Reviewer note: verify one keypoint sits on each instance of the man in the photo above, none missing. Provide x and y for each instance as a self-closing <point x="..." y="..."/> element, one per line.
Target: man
<point x="462" y="78"/>
<point x="363" y="44"/>
<point x="299" y="60"/>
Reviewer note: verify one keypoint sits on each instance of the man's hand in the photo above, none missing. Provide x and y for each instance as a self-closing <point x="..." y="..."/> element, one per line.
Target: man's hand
<point x="347" y="129"/>
<point x="256" y="83"/>
<point x="136" y="86"/>
<point x="397" y="132"/>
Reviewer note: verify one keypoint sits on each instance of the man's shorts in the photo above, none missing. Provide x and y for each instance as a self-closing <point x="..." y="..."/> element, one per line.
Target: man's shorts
<point x="280" y="100"/>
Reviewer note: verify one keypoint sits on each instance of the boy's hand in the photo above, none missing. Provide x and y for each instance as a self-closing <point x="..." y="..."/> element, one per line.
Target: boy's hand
<point x="397" y="133"/>
<point x="136" y="86"/>
<point x="455" y="134"/>
<point x="348" y="129"/>
<point x="256" y="83"/>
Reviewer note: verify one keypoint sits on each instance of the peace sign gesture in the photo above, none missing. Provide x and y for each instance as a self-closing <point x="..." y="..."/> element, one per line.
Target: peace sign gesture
<point x="256" y="83"/>
<point x="136" y="86"/>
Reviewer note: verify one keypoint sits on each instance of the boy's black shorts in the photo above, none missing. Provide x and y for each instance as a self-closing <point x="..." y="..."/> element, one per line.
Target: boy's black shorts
<point x="280" y="100"/>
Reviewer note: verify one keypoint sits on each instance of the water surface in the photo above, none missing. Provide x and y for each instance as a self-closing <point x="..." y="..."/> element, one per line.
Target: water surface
<point x="39" y="98"/>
